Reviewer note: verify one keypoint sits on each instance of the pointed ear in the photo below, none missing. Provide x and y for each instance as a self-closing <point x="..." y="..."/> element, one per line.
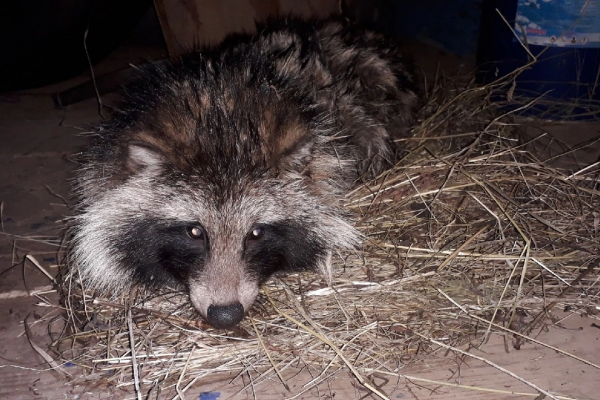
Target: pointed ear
<point x="143" y="156"/>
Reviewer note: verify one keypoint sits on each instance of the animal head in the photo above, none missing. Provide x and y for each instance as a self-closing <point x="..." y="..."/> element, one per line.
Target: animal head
<point x="213" y="182"/>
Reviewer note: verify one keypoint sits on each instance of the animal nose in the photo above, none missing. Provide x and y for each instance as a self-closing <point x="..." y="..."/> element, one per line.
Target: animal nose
<point x="224" y="317"/>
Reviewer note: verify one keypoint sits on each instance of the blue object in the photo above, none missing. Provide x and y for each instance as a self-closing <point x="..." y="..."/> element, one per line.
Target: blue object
<point x="209" y="395"/>
<point x="560" y="23"/>
<point x="560" y="34"/>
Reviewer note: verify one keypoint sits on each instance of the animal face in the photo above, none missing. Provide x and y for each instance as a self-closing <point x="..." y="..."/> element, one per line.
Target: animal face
<point x="219" y="239"/>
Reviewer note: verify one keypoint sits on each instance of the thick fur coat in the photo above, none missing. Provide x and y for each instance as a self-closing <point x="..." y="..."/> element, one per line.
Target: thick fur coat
<point x="226" y="166"/>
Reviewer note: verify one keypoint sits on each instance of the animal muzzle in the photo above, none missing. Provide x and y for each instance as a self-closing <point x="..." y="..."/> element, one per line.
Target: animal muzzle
<point x="223" y="305"/>
<point x="225" y="317"/>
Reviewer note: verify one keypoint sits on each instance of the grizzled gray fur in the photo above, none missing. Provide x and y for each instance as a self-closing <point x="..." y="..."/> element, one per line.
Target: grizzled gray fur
<point x="227" y="166"/>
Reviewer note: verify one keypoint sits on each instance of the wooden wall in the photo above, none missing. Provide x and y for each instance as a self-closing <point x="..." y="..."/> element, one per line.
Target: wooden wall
<point x="187" y="24"/>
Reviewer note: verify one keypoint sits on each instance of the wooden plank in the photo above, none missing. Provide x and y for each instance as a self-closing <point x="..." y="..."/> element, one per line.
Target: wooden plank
<point x="189" y="24"/>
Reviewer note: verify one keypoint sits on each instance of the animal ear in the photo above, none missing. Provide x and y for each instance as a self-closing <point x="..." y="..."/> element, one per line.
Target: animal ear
<point x="143" y="156"/>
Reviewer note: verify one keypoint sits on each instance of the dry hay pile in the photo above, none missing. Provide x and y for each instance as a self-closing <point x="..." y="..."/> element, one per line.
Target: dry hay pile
<point x="469" y="234"/>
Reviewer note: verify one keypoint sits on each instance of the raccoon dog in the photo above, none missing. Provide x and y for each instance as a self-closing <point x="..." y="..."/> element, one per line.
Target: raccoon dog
<point x="224" y="167"/>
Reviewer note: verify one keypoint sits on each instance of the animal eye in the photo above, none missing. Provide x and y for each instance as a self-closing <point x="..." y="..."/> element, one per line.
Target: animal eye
<point x="256" y="233"/>
<point x="195" y="232"/>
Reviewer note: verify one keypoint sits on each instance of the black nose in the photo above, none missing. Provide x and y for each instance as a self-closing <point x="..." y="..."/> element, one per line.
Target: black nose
<point x="224" y="317"/>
